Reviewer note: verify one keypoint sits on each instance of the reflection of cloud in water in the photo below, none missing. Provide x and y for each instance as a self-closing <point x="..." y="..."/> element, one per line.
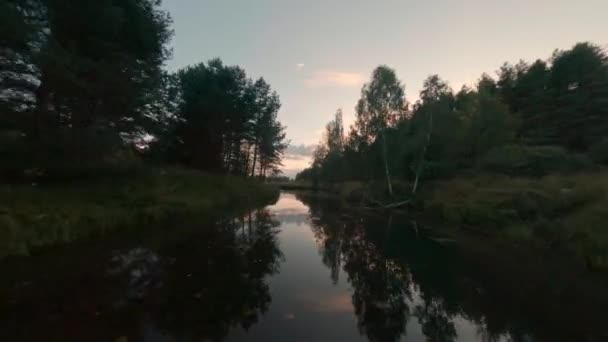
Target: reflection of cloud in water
<point x="338" y="303"/>
<point x="288" y="217"/>
<point x="288" y="204"/>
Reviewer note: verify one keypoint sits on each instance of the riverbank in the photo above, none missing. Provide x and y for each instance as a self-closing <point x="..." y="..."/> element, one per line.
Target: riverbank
<point x="564" y="213"/>
<point x="474" y="272"/>
<point x="34" y="215"/>
<point x="561" y="213"/>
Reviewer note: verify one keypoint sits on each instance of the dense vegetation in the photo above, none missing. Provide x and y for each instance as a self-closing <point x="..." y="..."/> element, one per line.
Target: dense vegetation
<point x="544" y="123"/>
<point x="82" y="89"/>
<point x="427" y="282"/>
<point x="534" y="119"/>
<point x="31" y="217"/>
<point x="96" y="135"/>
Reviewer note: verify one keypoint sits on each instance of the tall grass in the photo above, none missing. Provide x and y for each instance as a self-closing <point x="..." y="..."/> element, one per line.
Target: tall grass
<point x="35" y="215"/>
<point x="566" y="213"/>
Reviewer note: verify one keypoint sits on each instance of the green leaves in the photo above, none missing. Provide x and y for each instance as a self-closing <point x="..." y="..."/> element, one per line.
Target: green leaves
<point x="226" y="122"/>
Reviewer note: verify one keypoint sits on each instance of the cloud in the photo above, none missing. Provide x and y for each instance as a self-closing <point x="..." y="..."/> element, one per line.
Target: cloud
<point x="333" y="78"/>
<point x="337" y="303"/>
<point x="300" y="65"/>
<point x="291" y="165"/>
<point x="300" y="150"/>
<point x="297" y="158"/>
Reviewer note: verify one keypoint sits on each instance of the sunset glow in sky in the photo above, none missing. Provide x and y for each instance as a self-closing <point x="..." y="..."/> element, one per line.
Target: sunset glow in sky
<point x="318" y="53"/>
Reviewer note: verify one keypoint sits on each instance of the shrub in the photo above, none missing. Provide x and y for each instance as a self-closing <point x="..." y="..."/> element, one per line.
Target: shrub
<point x="599" y="152"/>
<point x="562" y="212"/>
<point x="533" y="161"/>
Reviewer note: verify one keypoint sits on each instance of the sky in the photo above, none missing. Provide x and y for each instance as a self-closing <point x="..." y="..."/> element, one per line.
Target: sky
<point x="318" y="53"/>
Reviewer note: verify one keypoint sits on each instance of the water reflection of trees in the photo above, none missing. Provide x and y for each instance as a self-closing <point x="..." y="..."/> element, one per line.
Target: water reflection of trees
<point x="216" y="281"/>
<point x="191" y="284"/>
<point x="381" y="289"/>
<point x="388" y="292"/>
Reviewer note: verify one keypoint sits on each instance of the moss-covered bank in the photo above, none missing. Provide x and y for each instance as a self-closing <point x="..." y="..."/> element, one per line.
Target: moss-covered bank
<point x="34" y="215"/>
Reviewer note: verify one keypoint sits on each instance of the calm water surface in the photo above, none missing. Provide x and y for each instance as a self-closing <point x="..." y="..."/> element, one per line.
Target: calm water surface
<point x="300" y="270"/>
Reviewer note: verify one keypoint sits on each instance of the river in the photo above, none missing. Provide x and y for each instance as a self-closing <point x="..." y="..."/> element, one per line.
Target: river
<point x="304" y="269"/>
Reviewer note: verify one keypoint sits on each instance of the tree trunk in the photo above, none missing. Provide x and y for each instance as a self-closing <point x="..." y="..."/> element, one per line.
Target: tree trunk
<point x="228" y="153"/>
<point x="246" y="163"/>
<point x="428" y="141"/>
<point x="255" y="157"/>
<point x="386" y="170"/>
<point x="42" y="102"/>
<point x="249" y="226"/>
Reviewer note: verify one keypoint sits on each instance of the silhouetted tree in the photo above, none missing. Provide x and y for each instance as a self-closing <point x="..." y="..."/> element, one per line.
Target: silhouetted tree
<point x="560" y="102"/>
<point x="382" y="103"/>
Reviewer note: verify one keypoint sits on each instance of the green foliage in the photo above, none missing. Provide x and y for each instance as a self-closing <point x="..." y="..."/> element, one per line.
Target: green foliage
<point x="76" y="78"/>
<point x="37" y="215"/>
<point x="599" y="152"/>
<point x="579" y="87"/>
<point x="562" y="101"/>
<point x="554" y="109"/>
<point x="556" y="212"/>
<point x="225" y="122"/>
<point x="518" y="160"/>
<point x="81" y="81"/>
<point x="15" y="31"/>
<point x="382" y="103"/>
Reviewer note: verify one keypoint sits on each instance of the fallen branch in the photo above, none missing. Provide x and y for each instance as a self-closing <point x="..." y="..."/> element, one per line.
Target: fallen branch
<point x="397" y="204"/>
<point x="387" y="206"/>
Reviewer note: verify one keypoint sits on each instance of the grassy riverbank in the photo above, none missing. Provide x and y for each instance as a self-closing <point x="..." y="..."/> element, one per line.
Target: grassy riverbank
<point x="36" y="215"/>
<point x="562" y="213"/>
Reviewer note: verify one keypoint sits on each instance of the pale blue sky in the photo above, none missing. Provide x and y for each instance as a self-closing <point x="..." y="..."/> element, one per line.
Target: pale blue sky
<point x="317" y="53"/>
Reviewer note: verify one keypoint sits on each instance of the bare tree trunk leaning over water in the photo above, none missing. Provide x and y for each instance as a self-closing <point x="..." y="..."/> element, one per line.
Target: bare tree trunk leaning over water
<point x="421" y="163"/>
<point x="386" y="171"/>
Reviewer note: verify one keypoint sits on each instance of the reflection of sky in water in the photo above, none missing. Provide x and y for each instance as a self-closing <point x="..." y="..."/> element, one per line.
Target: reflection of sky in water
<point x="288" y="204"/>
<point x="290" y="210"/>
<point x="308" y="306"/>
<point x="212" y="280"/>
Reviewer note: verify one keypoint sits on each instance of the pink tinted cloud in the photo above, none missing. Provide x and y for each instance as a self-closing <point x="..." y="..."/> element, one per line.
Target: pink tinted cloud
<point x="333" y="78"/>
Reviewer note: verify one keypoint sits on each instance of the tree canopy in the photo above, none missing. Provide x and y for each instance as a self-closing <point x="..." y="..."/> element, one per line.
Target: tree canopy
<point x="559" y="103"/>
<point x="81" y="81"/>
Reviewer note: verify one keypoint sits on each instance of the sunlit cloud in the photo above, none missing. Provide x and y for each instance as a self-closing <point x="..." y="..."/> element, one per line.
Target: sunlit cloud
<point x="338" y="303"/>
<point x="333" y="78"/>
<point x="293" y="164"/>
<point x="301" y="150"/>
<point x="297" y="158"/>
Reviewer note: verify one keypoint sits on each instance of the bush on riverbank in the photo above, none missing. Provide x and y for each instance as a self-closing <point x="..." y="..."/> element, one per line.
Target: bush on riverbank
<point x="533" y="161"/>
<point x="36" y="215"/>
<point x="558" y="212"/>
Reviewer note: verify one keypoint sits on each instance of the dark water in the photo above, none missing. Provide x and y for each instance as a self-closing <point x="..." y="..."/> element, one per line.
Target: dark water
<point x="290" y="272"/>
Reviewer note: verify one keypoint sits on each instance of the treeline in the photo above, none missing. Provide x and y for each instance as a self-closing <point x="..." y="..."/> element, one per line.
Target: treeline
<point x="533" y="119"/>
<point x="83" y="89"/>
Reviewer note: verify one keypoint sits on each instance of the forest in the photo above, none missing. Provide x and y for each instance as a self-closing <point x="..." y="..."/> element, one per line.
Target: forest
<point x="148" y="197"/>
<point x="533" y="119"/>
<point x="84" y="91"/>
<point x="521" y="155"/>
<point x="96" y="135"/>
